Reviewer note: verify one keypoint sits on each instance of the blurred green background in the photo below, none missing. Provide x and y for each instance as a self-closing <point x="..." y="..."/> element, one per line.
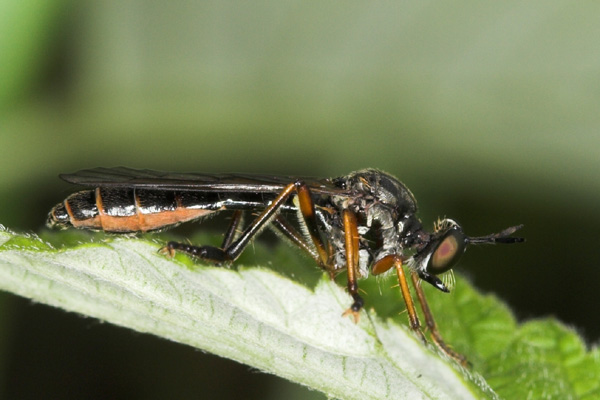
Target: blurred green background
<point x="489" y="112"/>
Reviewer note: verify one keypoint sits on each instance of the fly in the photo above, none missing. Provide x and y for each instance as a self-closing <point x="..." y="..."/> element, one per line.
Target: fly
<point x="364" y="223"/>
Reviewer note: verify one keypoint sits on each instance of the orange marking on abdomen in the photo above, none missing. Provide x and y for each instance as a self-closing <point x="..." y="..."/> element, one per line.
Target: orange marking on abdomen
<point x="90" y="223"/>
<point x="152" y="221"/>
<point x="69" y="211"/>
<point x="149" y="222"/>
<point x="139" y="222"/>
<point x="166" y="218"/>
<point x="100" y="208"/>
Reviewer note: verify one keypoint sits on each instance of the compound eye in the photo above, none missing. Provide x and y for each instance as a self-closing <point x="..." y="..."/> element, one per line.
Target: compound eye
<point x="451" y="246"/>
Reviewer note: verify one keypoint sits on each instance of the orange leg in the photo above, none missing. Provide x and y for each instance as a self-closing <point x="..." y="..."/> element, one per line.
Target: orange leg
<point x="413" y="318"/>
<point x="352" y="242"/>
<point x="307" y="208"/>
<point x="432" y="326"/>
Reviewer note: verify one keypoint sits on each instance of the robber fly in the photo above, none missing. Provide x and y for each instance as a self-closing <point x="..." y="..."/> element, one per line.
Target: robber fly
<point x="364" y="223"/>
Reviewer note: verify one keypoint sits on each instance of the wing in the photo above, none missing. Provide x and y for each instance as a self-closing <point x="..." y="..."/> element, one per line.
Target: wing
<point x="158" y="180"/>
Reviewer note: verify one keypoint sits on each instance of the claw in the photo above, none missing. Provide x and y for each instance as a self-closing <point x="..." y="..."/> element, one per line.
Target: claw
<point x="355" y="314"/>
<point x="167" y="251"/>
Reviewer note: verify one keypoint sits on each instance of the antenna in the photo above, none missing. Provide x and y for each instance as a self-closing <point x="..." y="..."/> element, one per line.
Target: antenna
<point x="500" y="237"/>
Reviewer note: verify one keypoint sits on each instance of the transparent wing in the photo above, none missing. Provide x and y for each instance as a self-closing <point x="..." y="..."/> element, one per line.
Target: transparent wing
<point x="160" y="180"/>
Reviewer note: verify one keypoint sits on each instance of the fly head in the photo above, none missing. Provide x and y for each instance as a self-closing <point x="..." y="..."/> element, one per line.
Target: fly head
<point x="443" y="248"/>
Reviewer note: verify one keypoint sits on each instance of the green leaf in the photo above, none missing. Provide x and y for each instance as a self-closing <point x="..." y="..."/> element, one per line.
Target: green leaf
<point x="262" y="318"/>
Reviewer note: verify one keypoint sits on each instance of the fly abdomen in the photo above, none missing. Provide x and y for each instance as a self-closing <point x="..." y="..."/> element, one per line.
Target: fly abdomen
<point x="78" y="210"/>
<point x="125" y="210"/>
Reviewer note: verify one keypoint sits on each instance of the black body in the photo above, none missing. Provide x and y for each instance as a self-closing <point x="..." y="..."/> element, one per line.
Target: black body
<point x="385" y="208"/>
<point x="364" y="222"/>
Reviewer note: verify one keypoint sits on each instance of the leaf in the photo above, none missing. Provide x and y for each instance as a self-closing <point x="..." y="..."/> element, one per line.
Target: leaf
<point x="271" y="322"/>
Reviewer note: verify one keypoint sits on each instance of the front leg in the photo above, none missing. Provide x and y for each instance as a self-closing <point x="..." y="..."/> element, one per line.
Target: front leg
<point x="351" y="241"/>
<point x="435" y="333"/>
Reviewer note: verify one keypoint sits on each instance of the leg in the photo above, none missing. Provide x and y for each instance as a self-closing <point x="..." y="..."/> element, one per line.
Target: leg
<point x="351" y="241"/>
<point x="228" y="254"/>
<point x="209" y="253"/>
<point x="281" y="225"/>
<point x="234" y="248"/>
<point x="236" y="221"/>
<point x="435" y="334"/>
<point x="413" y="318"/>
<point x="309" y="219"/>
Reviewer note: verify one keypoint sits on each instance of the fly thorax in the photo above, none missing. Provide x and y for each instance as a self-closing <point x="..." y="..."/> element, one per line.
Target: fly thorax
<point x="381" y="214"/>
<point x="389" y="243"/>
